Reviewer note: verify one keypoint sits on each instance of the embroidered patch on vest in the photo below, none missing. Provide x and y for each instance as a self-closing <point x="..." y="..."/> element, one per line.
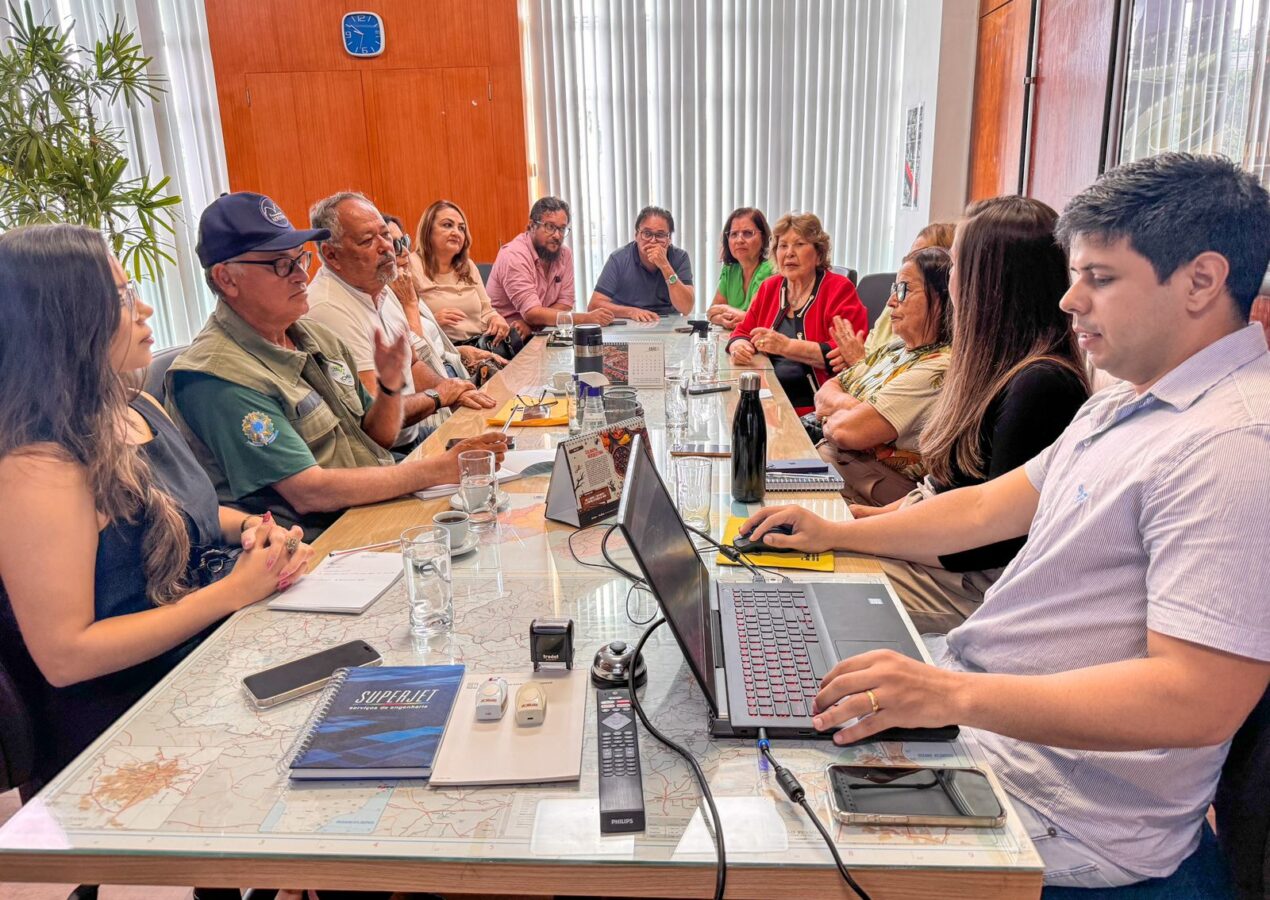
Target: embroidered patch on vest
<point x="259" y="430"/>
<point x="340" y="372"/>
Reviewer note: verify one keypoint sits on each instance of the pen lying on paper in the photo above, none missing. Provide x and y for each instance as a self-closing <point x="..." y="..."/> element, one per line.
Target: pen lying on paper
<point x="349" y="550"/>
<point x="511" y="415"/>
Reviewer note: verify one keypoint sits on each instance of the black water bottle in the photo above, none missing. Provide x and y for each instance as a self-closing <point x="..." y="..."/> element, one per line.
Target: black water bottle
<point x="588" y="349"/>
<point x="749" y="443"/>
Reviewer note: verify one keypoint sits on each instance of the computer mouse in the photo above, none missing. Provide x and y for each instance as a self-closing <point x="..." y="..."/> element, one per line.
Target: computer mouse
<point x="748" y="545"/>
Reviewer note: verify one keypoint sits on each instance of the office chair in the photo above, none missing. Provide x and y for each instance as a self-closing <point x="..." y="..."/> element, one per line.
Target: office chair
<point x="158" y="370"/>
<point x="850" y="273"/>
<point x="874" y="290"/>
<point x="17" y="739"/>
<point x="484" y="269"/>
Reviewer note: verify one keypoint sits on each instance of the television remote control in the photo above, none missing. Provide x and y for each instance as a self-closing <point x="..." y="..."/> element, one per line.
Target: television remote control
<point x="621" y="785"/>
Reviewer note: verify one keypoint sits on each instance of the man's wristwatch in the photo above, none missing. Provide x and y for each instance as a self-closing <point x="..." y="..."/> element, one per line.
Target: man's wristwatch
<point x="435" y="397"/>
<point x="672" y="279"/>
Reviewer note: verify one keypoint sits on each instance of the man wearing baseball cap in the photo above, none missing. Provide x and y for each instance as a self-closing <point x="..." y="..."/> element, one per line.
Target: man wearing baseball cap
<point x="270" y="404"/>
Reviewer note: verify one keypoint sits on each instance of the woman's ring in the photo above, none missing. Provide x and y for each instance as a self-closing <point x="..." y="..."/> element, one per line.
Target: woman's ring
<point x="873" y="700"/>
<point x="293" y="544"/>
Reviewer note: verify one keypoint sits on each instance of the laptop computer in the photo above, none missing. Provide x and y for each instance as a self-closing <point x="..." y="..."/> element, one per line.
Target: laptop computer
<point x="758" y="651"/>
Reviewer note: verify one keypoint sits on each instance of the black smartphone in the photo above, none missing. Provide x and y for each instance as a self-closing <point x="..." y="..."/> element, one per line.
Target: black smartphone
<point x="510" y="438"/>
<point x="718" y="388"/>
<point x="913" y="795"/>
<point x="308" y="673"/>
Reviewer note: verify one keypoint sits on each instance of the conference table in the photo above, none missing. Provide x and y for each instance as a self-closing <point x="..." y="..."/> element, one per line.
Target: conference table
<point x="191" y="787"/>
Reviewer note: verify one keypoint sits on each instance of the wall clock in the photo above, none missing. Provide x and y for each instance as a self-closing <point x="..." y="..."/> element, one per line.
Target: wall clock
<point x="363" y="34"/>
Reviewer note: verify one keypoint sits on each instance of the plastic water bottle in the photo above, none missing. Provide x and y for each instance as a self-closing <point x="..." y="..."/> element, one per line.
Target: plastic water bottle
<point x="705" y="353"/>
<point x="749" y="443"/>
<point x="593" y="418"/>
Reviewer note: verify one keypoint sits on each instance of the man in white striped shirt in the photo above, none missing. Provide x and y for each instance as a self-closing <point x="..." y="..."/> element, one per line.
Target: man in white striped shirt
<point x="1110" y="665"/>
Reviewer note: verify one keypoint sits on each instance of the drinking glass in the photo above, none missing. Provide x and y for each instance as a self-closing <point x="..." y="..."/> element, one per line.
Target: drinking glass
<point x="425" y="553"/>
<point x="564" y="326"/>
<point x="676" y="402"/>
<point x="478" y="486"/>
<point x="693" y="489"/>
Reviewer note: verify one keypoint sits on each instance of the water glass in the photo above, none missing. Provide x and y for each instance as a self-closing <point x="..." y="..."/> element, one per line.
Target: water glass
<point x="425" y="553"/>
<point x="478" y="486"/>
<point x="676" y="402"/>
<point x="693" y="489"/>
<point x="564" y="326"/>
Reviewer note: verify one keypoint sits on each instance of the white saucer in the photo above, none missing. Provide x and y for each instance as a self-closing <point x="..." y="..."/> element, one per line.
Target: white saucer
<point x="504" y="501"/>
<point x="470" y="544"/>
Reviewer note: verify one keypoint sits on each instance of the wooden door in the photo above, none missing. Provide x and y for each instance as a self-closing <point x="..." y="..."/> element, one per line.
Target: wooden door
<point x="1000" y="68"/>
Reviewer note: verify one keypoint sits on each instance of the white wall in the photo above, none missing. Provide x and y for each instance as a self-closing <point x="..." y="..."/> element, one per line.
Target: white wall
<point x="939" y="71"/>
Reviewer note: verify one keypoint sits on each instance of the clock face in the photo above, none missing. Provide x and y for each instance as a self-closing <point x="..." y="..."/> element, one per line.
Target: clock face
<point x="363" y="33"/>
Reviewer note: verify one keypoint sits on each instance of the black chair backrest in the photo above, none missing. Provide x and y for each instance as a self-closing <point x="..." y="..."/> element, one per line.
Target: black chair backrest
<point x="1242" y="805"/>
<point x="848" y="271"/>
<point x="874" y="291"/>
<point x="17" y="738"/>
<point x="157" y="369"/>
<point x="484" y="269"/>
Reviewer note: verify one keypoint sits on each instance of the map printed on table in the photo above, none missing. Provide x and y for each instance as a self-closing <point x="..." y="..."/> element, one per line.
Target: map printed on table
<point x="196" y="768"/>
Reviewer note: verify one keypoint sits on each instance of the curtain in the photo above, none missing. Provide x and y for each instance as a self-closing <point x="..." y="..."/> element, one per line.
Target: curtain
<point x="701" y="106"/>
<point x="178" y="137"/>
<point x="1197" y="80"/>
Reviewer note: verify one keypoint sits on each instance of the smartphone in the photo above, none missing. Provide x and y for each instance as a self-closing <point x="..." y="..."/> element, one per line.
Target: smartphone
<point x="509" y="438"/>
<point x="308" y="673"/>
<point x="722" y="451"/>
<point x="698" y="389"/>
<point x="912" y="795"/>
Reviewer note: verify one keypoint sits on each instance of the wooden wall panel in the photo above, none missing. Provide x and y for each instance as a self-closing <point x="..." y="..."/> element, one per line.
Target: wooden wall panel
<point x="401" y="127"/>
<point x="1001" y="65"/>
<point x="1073" y="65"/>
<point x="408" y="147"/>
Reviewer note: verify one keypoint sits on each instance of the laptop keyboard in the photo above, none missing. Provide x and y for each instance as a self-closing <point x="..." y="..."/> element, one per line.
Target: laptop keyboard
<point x="775" y="628"/>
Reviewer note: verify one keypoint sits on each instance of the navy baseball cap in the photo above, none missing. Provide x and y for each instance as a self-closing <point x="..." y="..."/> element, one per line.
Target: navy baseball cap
<point x="243" y="222"/>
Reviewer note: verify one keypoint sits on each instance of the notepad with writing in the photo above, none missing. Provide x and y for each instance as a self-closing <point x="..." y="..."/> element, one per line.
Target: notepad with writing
<point x="343" y="584"/>
<point x="378" y="723"/>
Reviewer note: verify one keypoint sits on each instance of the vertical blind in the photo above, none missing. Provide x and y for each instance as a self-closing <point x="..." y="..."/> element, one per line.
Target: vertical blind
<point x="178" y="137"/>
<point x="1198" y="80"/>
<point x="701" y="106"/>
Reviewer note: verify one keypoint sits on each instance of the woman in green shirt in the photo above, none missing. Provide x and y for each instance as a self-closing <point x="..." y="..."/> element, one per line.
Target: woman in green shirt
<point x="744" y="248"/>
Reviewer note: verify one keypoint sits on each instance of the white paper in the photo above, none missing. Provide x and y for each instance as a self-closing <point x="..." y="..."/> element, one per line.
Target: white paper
<point x="515" y="462"/>
<point x="344" y="584"/>
<point x="750" y="825"/>
<point x="572" y="828"/>
<point x="765" y="394"/>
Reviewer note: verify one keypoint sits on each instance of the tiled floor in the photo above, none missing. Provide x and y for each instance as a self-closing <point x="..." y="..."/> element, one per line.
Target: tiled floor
<point x="8" y="806"/>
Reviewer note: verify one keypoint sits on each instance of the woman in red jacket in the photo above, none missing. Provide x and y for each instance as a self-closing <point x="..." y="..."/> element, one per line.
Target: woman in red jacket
<point x="791" y="317"/>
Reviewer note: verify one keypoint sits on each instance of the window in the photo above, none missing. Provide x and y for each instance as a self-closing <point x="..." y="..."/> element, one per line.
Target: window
<point x="1197" y="80"/>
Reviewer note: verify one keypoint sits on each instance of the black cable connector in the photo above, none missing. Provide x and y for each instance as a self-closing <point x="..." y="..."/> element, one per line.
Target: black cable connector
<point x="794" y="790"/>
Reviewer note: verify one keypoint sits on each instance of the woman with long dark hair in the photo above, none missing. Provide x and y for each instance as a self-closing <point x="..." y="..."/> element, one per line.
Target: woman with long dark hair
<point x="111" y="539"/>
<point x="1015" y="381"/>
<point x="743" y="250"/>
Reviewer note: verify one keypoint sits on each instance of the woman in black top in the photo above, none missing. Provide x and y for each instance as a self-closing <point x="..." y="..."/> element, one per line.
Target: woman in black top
<point x="110" y="534"/>
<point x="1015" y="382"/>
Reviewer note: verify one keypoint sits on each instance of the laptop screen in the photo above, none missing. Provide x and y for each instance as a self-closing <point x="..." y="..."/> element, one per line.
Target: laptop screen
<point x="669" y="561"/>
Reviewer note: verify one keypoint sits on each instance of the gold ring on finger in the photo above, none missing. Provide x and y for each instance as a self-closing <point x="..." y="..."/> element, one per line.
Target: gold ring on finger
<point x="873" y="700"/>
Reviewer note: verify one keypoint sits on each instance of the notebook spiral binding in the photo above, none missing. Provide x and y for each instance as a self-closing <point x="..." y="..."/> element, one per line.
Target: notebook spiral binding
<point x="302" y="741"/>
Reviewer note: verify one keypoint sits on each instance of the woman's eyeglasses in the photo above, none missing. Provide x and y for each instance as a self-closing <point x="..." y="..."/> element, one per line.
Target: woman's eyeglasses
<point x="128" y="297"/>
<point x="401" y="245"/>
<point x="283" y="266"/>
<point x="899" y="290"/>
<point x="745" y="235"/>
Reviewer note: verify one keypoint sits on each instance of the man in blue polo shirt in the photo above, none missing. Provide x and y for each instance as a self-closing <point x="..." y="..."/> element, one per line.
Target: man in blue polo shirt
<point x="1108" y="668"/>
<point x="647" y="278"/>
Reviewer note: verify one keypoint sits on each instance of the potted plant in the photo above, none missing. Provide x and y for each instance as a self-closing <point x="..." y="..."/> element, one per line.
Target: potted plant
<point x="61" y="158"/>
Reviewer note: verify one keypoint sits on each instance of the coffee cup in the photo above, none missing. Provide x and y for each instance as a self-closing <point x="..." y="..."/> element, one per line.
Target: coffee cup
<point x="454" y="521"/>
<point x="561" y="382"/>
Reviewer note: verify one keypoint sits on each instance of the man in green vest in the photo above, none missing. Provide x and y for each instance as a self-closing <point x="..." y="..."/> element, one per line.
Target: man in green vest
<point x="270" y="404"/>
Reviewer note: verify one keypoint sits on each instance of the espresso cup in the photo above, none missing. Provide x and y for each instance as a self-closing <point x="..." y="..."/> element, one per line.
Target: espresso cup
<point x="454" y="521"/>
<point x="562" y="382"/>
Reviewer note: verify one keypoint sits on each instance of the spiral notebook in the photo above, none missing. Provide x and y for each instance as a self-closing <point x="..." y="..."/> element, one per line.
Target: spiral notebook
<point x="378" y="723"/>
<point x="802" y="475"/>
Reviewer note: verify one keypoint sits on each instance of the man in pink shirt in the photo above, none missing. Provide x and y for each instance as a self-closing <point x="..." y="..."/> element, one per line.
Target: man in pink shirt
<point x="532" y="279"/>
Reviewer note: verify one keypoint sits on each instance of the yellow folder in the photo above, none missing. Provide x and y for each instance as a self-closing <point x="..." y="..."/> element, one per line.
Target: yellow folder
<point x="812" y="562"/>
